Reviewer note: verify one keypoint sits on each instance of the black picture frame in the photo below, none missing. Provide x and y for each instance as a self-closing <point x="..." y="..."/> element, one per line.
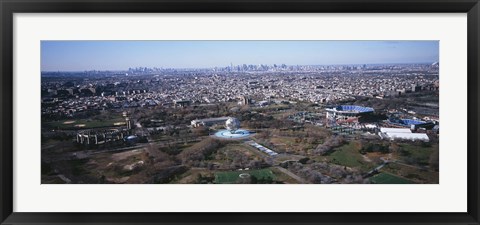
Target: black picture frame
<point x="9" y="7"/>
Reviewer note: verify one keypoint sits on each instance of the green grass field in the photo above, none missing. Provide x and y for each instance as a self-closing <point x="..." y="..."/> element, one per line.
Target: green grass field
<point x="232" y="177"/>
<point x="386" y="178"/>
<point x="418" y="154"/>
<point x="346" y="155"/>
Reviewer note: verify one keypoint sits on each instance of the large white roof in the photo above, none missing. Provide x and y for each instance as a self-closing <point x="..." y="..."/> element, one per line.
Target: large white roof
<point x="402" y="133"/>
<point x="408" y="136"/>
<point x="395" y="130"/>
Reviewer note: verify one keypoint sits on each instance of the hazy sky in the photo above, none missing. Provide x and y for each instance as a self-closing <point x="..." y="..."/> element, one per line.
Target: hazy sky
<point x="120" y="55"/>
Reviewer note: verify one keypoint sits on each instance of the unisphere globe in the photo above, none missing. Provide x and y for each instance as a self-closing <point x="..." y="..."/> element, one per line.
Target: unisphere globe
<point x="232" y="124"/>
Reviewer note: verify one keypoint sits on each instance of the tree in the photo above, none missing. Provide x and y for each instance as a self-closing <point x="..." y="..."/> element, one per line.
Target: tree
<point x="200" y="151"/>
<point x="329" y="145"/>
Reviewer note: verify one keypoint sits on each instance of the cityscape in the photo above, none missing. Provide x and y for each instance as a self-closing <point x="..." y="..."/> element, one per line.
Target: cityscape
<point x="240" y="112"/>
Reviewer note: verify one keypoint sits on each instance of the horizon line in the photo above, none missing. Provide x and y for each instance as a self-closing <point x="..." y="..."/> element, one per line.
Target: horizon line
<point x="339" y="64"/>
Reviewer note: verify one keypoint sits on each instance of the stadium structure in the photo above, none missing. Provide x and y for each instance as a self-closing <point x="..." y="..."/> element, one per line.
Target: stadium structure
<point x="102" y="136"/>
<point x="209" y="121"/>
<point x="410" y="123"/>
<point x="346" y="112"/>
<point x="98" y="137"/>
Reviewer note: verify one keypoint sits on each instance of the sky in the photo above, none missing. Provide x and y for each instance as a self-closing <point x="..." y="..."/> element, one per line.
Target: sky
<point x="121" y="55"/>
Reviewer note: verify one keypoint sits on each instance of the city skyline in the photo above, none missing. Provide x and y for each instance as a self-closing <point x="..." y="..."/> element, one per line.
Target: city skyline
<point x="121" y="55"/>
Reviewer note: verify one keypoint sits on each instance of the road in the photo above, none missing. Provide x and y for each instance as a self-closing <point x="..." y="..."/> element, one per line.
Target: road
<point x="292" y="175"/>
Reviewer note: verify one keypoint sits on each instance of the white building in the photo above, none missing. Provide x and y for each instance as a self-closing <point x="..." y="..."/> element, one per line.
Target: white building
<point x="402" y="134"/>
<point x="395" y="130"/>
<point x="209" y="121"/>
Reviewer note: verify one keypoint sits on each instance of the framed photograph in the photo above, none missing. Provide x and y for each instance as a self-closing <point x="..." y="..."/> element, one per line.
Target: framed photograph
<point x="233" y="112"/>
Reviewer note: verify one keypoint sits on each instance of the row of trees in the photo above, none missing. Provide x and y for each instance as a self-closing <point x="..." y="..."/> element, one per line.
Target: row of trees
<point x="324" y="173"/>
<point x="200" y="151"/>
<point x="329" y="145"/>
<point x="310" y="174"/>
<point x="371" y="146"/>
<point x="343" y="174"/>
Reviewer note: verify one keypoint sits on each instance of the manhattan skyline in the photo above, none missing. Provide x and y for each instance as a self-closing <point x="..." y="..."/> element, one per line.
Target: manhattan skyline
<point x="121" y="55"/>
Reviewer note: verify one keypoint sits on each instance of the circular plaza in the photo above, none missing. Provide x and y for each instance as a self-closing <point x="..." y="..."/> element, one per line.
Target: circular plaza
<point x="237" y="134"/>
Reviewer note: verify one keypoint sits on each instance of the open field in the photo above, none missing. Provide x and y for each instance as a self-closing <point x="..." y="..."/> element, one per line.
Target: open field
<point x="233" y="176"/>
<point x="419" y="175"/>
<point x="347" y="155"/>
<point x="281" y="176"/>
<point x="386" y="178"/>
<point x="413" y="154"/>
<point x="285" y="144"/>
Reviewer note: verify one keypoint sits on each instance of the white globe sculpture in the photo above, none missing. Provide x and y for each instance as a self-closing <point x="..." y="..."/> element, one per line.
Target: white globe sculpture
<point x="232" y="124"/>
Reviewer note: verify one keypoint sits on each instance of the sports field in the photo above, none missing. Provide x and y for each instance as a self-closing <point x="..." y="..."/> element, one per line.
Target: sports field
<point x="386" y="178"/>
<point x="232" y="177"/>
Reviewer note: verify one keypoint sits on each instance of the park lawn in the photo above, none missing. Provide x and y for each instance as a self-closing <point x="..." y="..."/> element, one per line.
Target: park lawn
<point x="232" y="177"/>
<point x="281" y="140"/>
<point x="386" y="178"/>
<point x="282" y="177"/>
<point x="347" y="155"/>
<point x="415" y="174"/>
<point x="242" y="148"/>
<point x="419" y="154"/>
<point x="282" y="143"/>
